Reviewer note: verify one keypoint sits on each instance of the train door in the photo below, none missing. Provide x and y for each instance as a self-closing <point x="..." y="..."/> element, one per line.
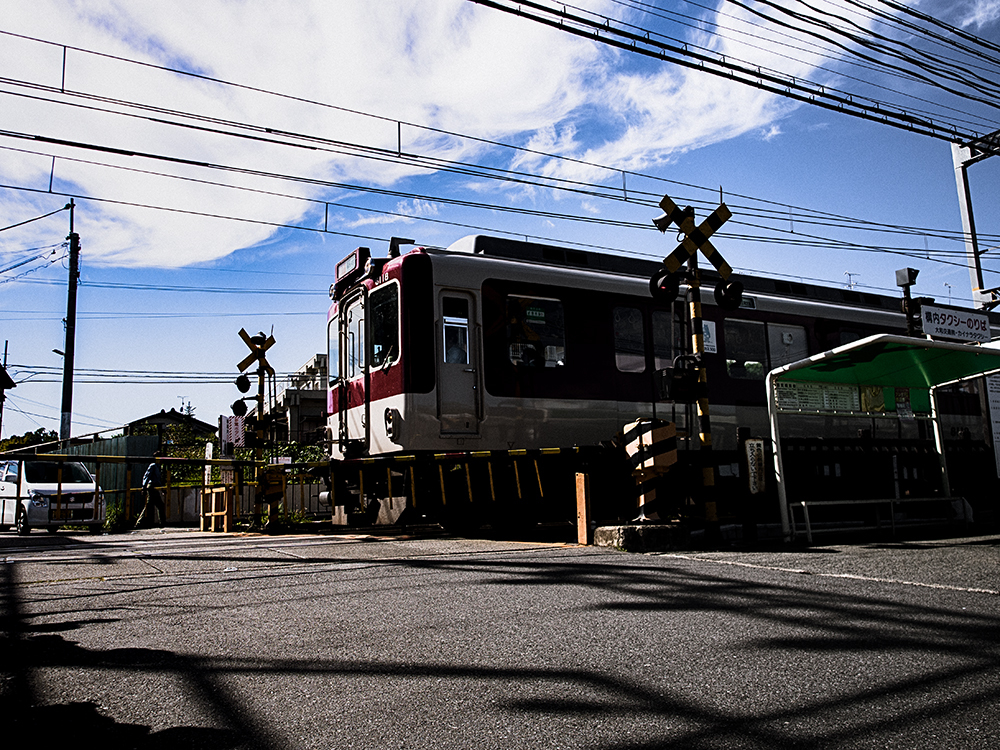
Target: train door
<point x="458" y="366"/>
<point x="354" y="404"/>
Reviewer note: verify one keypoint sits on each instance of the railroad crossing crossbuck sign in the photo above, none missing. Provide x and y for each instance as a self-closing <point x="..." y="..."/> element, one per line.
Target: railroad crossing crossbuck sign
<point x="665" y="283"/>
<point x="258" y="345"/>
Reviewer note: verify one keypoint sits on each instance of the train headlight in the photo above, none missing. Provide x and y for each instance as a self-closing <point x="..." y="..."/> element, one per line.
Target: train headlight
<point x="392" y="424"/>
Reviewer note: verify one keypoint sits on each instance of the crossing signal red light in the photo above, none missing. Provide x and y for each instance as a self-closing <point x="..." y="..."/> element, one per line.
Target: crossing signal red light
<point x="239" y="408"/>
<point x="664" y="285"/>
<point x="729" y="294"/>
<point x="243" y="383"/>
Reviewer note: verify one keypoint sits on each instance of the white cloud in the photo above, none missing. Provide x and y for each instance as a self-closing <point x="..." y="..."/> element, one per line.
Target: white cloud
<point x="980" y="13"/>
<point x="445" y="63"/>
<point x="771" y="132"/>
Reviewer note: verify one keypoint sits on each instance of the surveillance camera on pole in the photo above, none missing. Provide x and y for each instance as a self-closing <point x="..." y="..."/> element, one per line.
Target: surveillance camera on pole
<point x="905" y="278"/>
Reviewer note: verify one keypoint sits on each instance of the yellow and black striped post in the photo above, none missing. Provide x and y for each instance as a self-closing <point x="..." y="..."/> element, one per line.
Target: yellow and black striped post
<point x="704" y="419"/>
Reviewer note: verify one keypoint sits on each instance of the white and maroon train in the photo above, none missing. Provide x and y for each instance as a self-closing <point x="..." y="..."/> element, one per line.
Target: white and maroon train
<point x="496" y="344"/>
<point x="500" y="345"/>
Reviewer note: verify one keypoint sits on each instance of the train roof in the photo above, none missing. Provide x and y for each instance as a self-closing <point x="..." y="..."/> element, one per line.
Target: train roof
<point x="561" y="257"/>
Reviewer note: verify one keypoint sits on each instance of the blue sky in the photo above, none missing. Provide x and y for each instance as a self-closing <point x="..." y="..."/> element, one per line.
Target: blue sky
<point x="166" y="291"/>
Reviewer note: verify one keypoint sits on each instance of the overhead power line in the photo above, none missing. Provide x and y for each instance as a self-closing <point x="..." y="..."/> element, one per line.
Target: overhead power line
<point x="263" y="132"/>
<point x="37" y="218"/>
<point x="798" y="239"/>
<point x="598" y="190"/>
<point x="98" y="376"/>
<point x="614" y="33"/>
<point x="802" y="216"/>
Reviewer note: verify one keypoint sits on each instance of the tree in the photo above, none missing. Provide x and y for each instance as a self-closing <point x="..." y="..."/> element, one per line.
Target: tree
<point x="181" y="441"/>
<point x="39" y="436"/>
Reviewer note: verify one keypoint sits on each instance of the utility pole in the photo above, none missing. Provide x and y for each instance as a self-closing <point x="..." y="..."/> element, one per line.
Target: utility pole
<point x="5" y="383"/>
<point x="963" y="156"/>
<point x="70" y="348"/>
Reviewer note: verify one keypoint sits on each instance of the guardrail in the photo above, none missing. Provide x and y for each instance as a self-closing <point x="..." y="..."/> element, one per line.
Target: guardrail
<point x="231" y="492"/>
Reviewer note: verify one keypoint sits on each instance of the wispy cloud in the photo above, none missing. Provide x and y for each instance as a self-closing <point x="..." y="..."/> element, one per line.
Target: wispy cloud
<point x="980" y="13"/>
<point x="405" y="211"/>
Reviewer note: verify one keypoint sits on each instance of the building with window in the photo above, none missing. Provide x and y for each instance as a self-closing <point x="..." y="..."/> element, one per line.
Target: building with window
<point x="300" y="407"/>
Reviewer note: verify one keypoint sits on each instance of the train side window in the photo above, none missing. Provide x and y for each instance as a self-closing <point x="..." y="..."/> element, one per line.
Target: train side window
<point x="630" y="341"/>
<point x="746" y="350"/>
<point x="785" y="344"/>
<point x="663" y="337"/>
<point x="455" y="311"/>
<point x="333" y="351"/>
<point x="536" y="331"/>
<point x="384" y="305"/>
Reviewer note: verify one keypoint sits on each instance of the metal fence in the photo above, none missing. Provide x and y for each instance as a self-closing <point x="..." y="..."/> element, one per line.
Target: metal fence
<point x="227" y="495"/>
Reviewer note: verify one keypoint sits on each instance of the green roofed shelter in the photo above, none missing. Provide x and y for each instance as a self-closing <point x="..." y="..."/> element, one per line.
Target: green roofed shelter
<point x="831" y="383"/>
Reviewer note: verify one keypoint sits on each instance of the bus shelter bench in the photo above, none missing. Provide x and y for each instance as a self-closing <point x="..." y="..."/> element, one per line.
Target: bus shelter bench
<point x="892" y="502"/>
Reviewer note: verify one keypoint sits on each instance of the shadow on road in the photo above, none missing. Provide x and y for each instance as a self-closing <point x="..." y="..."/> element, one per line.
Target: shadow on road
<point x="826" y="622"/>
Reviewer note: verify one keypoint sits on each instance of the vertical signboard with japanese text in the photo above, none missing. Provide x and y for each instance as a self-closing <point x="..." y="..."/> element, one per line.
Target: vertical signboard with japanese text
<point x="993" y="394"/>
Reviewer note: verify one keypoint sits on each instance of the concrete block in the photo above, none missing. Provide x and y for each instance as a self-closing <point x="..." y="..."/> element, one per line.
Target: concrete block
<point x="643" y="538"/>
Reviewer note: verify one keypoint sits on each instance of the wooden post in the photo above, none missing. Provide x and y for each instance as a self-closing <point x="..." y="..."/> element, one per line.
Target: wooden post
<point x="128" y="492"/>
<point x="489" y="466"/>
<point x="166" y="500"/>
<point x="97" y="485"/>
<point x="584" y="534"/>
<point x="413" y="486"/>
<point x="388" y="480"/>
<point x="361" y="489"/>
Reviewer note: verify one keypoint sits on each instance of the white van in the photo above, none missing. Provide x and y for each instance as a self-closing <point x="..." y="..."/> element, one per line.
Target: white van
<point x="47" y="495"/>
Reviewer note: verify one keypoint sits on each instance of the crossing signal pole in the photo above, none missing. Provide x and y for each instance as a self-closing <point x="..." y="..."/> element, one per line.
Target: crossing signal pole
<point x="665" y="284"/>
<point x="258" y="346"/>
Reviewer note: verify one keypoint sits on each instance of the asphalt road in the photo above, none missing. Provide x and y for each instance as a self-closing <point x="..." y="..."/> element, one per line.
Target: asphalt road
<point x="186" y="640"/>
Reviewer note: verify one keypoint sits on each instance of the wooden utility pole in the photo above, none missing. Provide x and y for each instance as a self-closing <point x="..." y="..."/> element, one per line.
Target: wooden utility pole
<point x="5" y="384"/>
<point x="69" y="351"/>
